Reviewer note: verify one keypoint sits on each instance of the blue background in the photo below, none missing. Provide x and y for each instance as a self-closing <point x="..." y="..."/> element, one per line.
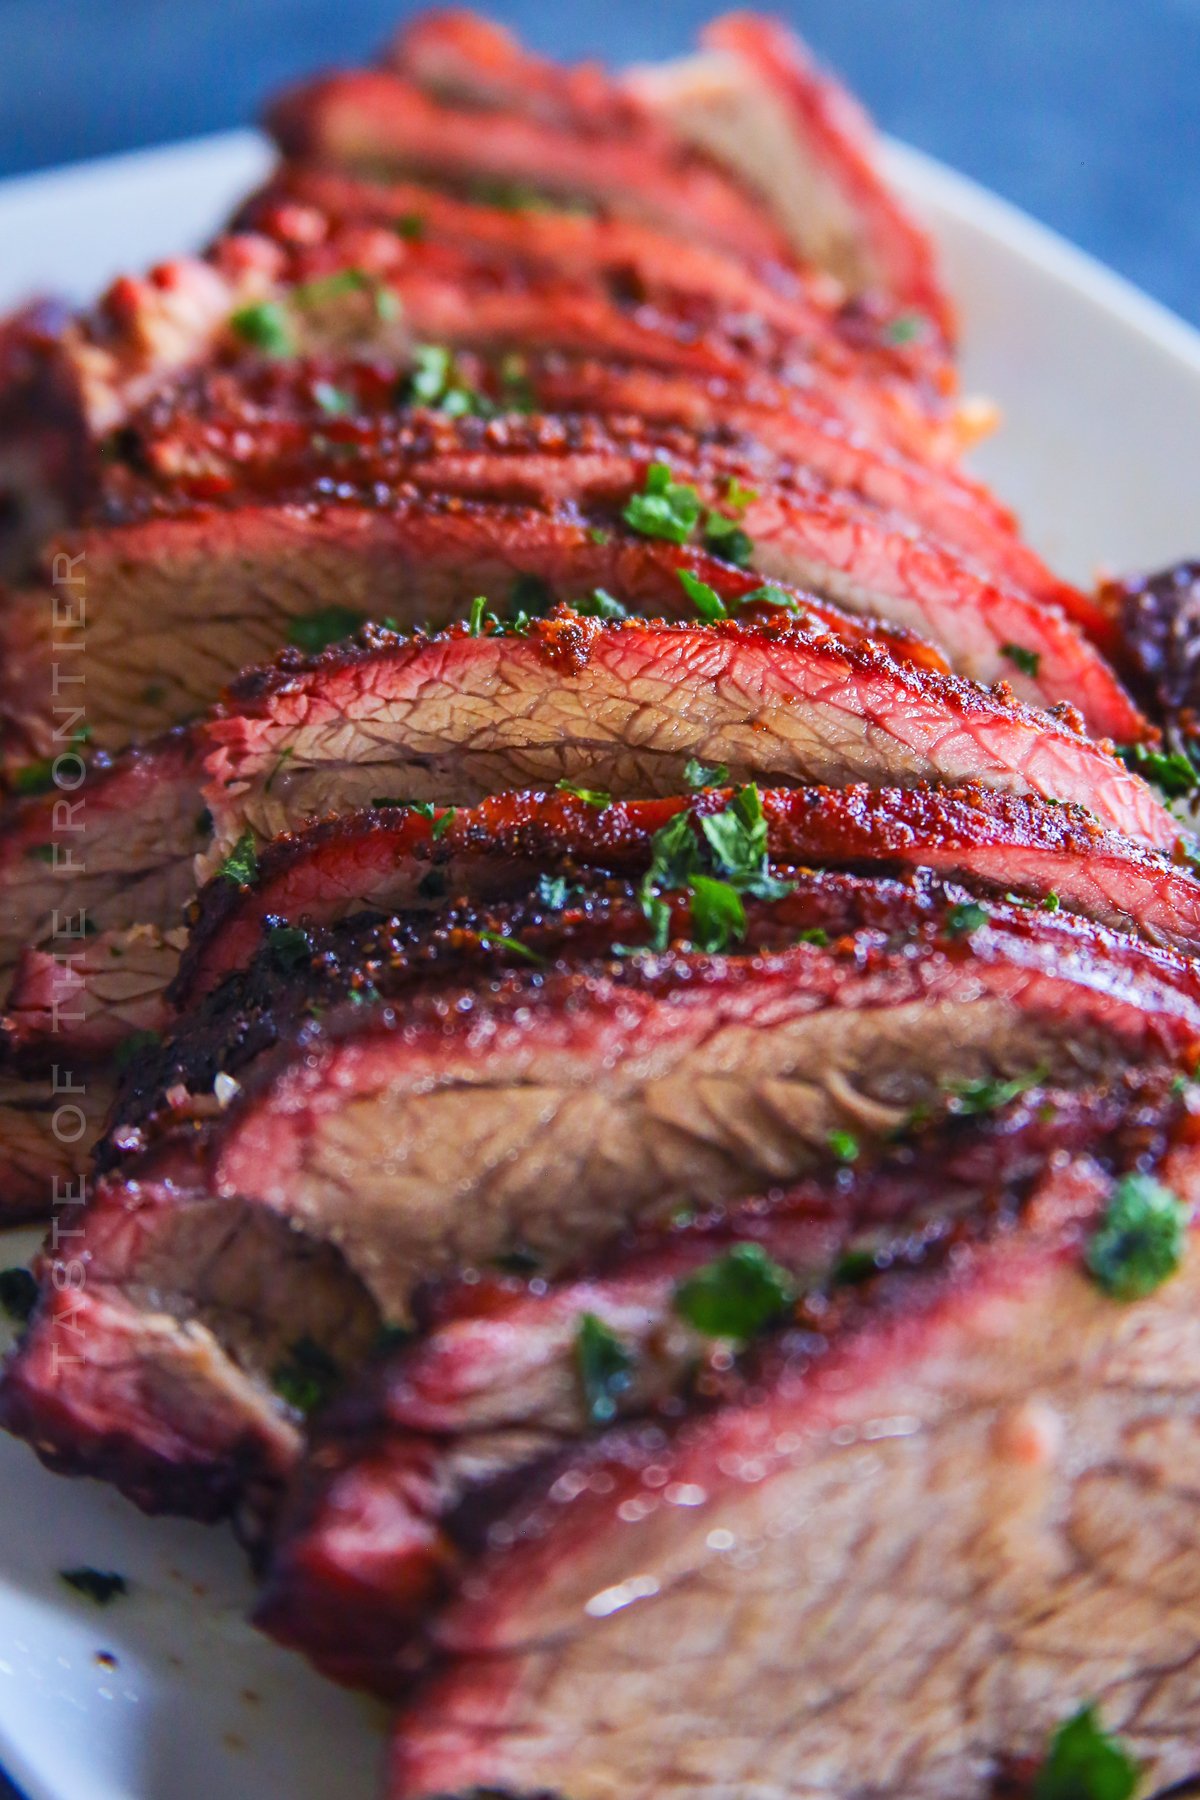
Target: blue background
<point x="1086" y="112"/>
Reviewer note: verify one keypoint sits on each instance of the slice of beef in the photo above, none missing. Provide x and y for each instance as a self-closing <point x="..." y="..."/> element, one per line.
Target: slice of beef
<point x="48" y="1127"/>
<point x="376" y="121"/>
<point x="176" y="607"/>
<point x="111" y="846"/>
<point x="304" y="205"/>
<point x="619" y="1089"/>
<point x="623" y="708"/>
<point x="90" y="1000"/>
<point x="150" y="1359"/>
<point x="795" y="136"/>
<point x="911" y="1551"/>
<point x="791" y="526"/>
<point x="397" y="857"/>
<point x="401" y="1478"/>
<point x="300" y="972"/>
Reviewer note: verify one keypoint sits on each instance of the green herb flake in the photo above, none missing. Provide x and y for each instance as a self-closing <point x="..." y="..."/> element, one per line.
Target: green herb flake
<point x="718" y="914"/>
<point x="844" y="1146"/>
<point x="18" y="1294"/>
<point x="1085" y="1763"/>
<point x="708" y="603"/>
<point x="496" y="940"/>
<point x="597" y="797"/>
<point x="598" y="535"/>
<point x="906" y="328"/>
<point x="43" y="853"/>
<point x="100" y="1586"/>
<point x="241" y="865"/>
<point x="1141" y="1240"/>
<point x="289" y="946"/>
<point x="664" y="508"/>
<point x="600" y="604"/>
<point x="1028" y="661"/>
<point x="674" y="854"/>
<point x="443" y="822"/>
<point x="1051" y="903"/>
<point x="605" y="1368"/>
<point x="411" y="227"/>
<point x="974" y="1099"/>
<point x="336" y="286"/>
<point x="737" y="1295"/>
<point x="136" y="1045"/>
<point x="553" y="892"/>
<point x="738" y="496"/>
<point x="702" y="775"/>
<point x="726" y="538"/>
<point x="306" y="1377"/>
<point x="333" y="400"/>
<point x="315" y="631"/>
<point x="856" y="1264"/>
<point x="479" y="616"/>
<point x="265" y="326"/>
<point x="772" y="596"/>
<point x="814" y="935"/>
<point x="737" y="838"/>
<point x="1170" y="771"/>
<point x="965" y="917"/>
<point x="34" y="778"/>
<point x="434" y="381"/>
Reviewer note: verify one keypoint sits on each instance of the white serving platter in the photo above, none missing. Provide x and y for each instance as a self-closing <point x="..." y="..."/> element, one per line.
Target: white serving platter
<point x="1100" y="453"/>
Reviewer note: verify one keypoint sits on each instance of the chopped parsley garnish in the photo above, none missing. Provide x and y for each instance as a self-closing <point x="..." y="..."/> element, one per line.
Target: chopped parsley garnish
<point x="597" y="797"/>
<point x="479" y="616"/>
<point x="306" y="1377"/>
<point x="972" y="1099"/>
<point x="289" y="946"/>
<point x="241" y="865"/>
<point x="324" y="288"/>
<point x="411" y="227"/>
<point x="1170" y="771"/>
<point x="1085" y="1763"/>
<point x="814" y="935"/>
<point x="496" y="940"/>
<point x="725" y="862"/>
<point x="44" y="853"/>
<point x="737" y="1295"/>
<point x="434" y="381"/>
<point x="1141" y="1240"/>
<point x="665" y="508"/>
<point x="906" y="328"/>
<point x="18" y="1293"/>
<point x="1051" y="903"/>
<point x="1028" y="661"/>
<point x="34" y="778"/>
<point x="333" y="400"/>
<point x="737" y="838"/>
<point x="708" y="603"/>
<point x="726" y="538"/>
<point x="772" y="596"/>
<point x="315" y="631"/>
<point x="844" y="1145"/>
<point x="443" y="822"/>
<point x="266" y="326"/>
<point x="553" y="892"/>
<point x="600" y="604"/>
<point x="738" y="496"/>
<point x="137" y="1044"/>
<point x="701" y="775"/>
<point x="718" y="914"/>
<point x="857" y="1263"/>
<point x="605" y="1368"/>
<point x="965" y="917"/>
<point x="101" y="1586"/>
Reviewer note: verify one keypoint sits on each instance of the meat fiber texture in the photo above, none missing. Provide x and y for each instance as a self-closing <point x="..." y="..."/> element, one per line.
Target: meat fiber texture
<point x="408" y="1475"/>
<point x="623" y="709"/>
<point x="887" y="1552"/>
<point x="826" y="540"/>
<point x="391" y="1143"/>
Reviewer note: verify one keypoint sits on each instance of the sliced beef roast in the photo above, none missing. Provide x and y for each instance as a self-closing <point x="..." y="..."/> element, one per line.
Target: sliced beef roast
<point x="407" y="1472"/>
<point x="624" y="708"/>
<point x="865" y="1576"/>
